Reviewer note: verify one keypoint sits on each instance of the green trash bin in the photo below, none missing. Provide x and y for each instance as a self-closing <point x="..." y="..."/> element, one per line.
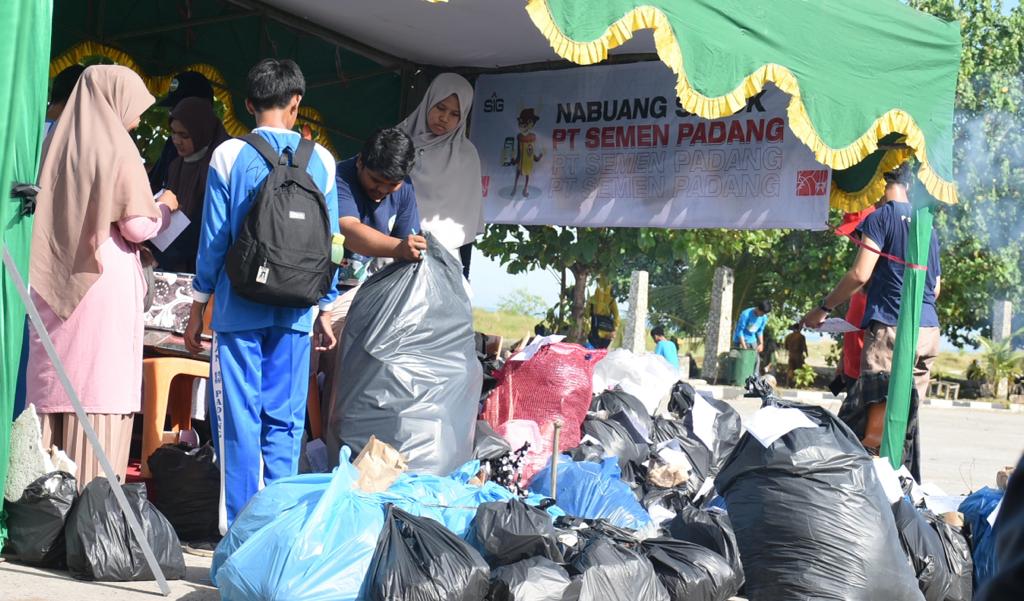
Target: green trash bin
<point x="744" y="361"/>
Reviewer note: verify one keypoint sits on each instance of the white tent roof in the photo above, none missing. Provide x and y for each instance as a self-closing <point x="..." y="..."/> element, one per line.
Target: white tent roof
<point x="464" y="33"/>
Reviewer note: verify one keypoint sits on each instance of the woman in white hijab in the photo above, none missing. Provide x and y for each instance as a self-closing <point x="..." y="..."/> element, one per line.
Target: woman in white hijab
<point x="446" y="177"/>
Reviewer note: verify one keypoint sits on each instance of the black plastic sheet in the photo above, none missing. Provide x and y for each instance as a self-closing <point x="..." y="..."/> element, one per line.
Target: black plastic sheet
<point x="35" y="522"/>
<point x="611" y="572"/>
<point x="418" y="559"/>
<point x="487" y="444"/>
<point x="958" y="559"/>
<point x="187" y="486"/>
<point x="711" y="530"/>
<point x="924" y="548"/>
<point x="691" y="572"/>
<point x="101" y="545"/>
<point x="534" y="579"/>
<point x="509" y="532"/>
<point x="613" y="401"/>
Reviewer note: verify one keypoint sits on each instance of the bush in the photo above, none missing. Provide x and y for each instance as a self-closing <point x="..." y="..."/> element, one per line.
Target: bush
<point x="804" y="377"/>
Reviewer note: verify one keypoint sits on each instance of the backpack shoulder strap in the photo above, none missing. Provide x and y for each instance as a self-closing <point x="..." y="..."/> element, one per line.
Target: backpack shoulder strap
<point x="264" y="148"/>
<point x="303" y="154"/>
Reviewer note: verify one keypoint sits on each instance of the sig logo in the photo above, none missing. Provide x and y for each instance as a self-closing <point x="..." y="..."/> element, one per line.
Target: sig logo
<point x="494" y="104"/>
<point x="812" y="182"/>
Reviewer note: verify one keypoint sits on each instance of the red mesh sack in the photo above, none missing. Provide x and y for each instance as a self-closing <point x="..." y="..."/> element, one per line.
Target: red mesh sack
<point x="556" y="384"/>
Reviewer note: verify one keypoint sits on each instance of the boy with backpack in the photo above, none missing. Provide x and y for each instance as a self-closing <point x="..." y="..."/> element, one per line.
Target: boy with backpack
<point x="264" y="253"/>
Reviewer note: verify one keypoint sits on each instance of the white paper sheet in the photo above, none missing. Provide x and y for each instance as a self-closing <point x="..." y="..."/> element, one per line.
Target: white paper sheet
<point x="772" y="423"/>
<point x="836" y="325"/>
<point x="704" y="416"/>
<point x="995" y="514"/>
<point x="890" y="481"/>
<point x="531" y="349"/>
<point x="174" y="229"/>
<point x="940" y="504"/>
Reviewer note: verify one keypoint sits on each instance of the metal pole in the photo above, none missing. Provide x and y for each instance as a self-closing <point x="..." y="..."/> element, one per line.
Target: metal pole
<point x="554" y="459"/>
<point x="94" y="441"/>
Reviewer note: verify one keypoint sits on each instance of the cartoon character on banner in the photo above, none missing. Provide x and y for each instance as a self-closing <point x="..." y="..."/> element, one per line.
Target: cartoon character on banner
<point x="528" y="152"/>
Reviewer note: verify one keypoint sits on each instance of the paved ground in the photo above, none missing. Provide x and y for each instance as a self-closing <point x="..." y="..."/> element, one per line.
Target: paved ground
<point x="962" y="449"/>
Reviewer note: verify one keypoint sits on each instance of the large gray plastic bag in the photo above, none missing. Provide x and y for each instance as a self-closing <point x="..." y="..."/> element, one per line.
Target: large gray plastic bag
<point x="410" y="374"/>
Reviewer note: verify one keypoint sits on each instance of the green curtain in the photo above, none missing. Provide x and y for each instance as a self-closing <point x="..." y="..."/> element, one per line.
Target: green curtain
<point x="857" y="71"/>
<point x="24" y="63"/>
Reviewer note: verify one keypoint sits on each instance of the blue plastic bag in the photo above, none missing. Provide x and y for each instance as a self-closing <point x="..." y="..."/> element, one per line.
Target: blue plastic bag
<point x="593" y="490"/>
<point x="321" y="554"/>
<point x="976" y="509"/>
<point x="296" y="494"/>
<point x="452" y="500"/>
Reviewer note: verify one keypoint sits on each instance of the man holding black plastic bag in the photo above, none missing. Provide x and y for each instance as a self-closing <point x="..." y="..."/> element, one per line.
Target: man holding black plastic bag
<point x="380" y="221"/>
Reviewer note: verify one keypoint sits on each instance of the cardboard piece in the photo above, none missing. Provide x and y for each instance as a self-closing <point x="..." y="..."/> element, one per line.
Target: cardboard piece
<point x="379" y="466"/>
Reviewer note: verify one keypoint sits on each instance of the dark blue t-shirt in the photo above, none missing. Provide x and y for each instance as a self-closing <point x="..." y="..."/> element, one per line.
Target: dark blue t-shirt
<point x="889" y="227"/>
<point x="395" y="215"/>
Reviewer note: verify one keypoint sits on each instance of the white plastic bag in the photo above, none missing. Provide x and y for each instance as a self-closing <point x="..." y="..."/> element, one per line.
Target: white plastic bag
<point x="648" y="377"/>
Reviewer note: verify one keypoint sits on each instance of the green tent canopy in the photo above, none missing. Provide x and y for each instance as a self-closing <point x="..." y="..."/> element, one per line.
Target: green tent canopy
<point x="856" y="72"/>
<point x="24" y="53"/>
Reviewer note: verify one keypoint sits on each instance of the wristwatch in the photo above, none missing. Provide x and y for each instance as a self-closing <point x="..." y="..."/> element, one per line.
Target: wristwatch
<point x="824" y="307"/>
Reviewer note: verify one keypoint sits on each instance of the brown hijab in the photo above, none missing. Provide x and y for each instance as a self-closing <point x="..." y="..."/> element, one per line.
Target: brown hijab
<point x="186" y="176"/>
<point x="92" y="176"/>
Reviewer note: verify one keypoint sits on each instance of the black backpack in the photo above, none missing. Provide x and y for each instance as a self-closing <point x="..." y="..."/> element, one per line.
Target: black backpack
<point x="283" y="254"/>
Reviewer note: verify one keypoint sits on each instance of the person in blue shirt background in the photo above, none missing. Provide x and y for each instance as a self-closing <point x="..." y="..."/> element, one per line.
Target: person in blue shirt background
<point x="750" y="327"/>
<point x="665" y="347"/>
<point x="380" y="221"/>
<point x="260" y="354"/>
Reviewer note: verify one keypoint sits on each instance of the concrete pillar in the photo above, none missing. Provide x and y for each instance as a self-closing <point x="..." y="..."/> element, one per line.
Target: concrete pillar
<point x="1002" y="327"/>
<point x="719" y="328"/>
<point x="634" y="338"/>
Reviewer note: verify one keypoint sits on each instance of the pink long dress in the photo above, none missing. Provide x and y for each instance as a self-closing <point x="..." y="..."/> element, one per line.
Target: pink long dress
<point x="100" y="345"/>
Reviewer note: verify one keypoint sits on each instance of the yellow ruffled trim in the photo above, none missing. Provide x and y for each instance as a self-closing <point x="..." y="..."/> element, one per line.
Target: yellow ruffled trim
<point x="854" y="201"/>
<point x="649" y="17"/>
<point x="158" y="85"/>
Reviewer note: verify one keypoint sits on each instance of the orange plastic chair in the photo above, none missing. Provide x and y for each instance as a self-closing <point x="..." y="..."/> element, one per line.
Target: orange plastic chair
<point x="158" y="376"/>
<point x="167" y="383"/>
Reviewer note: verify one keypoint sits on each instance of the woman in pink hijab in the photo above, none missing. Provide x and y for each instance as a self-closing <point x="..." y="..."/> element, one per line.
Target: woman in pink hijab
<point x="94" y="209"/>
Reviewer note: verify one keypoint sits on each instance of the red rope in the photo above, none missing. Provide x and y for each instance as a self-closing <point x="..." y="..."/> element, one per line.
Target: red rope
<point x="892" y="258"/>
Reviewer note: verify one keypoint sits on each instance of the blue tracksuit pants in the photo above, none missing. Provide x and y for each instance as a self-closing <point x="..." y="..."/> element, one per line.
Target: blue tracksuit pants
<point x="259" y="380"/>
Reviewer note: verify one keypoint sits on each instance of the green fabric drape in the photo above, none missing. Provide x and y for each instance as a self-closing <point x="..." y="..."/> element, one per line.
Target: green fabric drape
<point x="857" y="71"/>
<point x="904" y="352"/>
<point x="24" y="63"/>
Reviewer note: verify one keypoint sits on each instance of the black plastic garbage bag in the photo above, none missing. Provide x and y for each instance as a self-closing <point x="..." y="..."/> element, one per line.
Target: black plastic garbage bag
<point x="35" y="522"/>
<point x="418" y="559"/>
<point x="187" y="490"/>
<point x="700" y="457"/>
<point x="408" y="357"/>
<point x="611" y="572"/>
<point x="487" y="444"/>
<point x="691" y="572"/>
<point x="588" y="451"/>
<point x="924" y="548"/>
<point x="101" y="545"/>
<point x="613" y="401"/>
<point x="710" y="529"/>
<point x="534" y="579"/>
<point x="958" y="559"/>
<point x="727" y="421"/>
<point x="509" y="532"/>
<point x="811" y="519"/>
<point x="620" y="440"/>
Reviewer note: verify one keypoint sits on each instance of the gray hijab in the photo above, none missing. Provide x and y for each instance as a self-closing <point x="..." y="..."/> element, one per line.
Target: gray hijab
<point x="446" y="177"/>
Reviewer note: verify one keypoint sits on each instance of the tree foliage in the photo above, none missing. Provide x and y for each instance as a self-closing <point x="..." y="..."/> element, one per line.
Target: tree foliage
<point x="982" y="254"/>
